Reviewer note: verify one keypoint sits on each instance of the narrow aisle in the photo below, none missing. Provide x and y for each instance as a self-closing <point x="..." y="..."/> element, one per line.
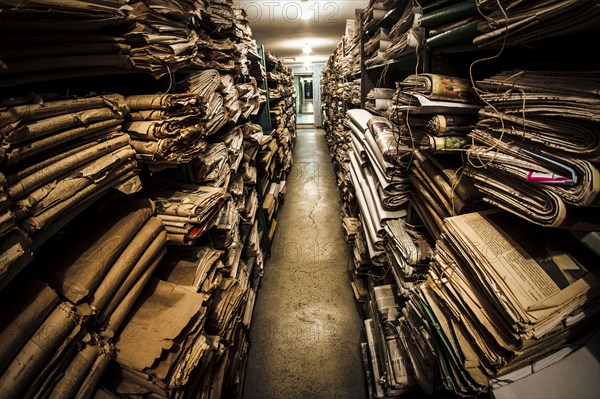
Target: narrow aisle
<point x="306" y="328"/>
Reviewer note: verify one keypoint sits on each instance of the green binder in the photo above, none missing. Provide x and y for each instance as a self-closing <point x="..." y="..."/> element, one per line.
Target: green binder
<point x="448" y="14"/>
<point x="461" y="35"/>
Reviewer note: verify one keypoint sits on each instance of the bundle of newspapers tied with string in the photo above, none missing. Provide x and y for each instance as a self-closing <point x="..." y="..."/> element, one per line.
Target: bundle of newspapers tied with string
<point x="409" y="251"/>
<point x="522" y="299"/>
<point x="406" y="36"/>
<point x="58" y="156"/>
<point x="61" y="347"/>
<point x="536" y="147"/>
<point x="510" y="23"/>
<point x="434" y="114"/>
<point x="450" y="22"/>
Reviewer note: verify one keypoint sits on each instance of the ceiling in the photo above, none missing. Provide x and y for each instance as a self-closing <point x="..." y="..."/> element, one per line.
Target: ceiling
<point x="285" y="27"/>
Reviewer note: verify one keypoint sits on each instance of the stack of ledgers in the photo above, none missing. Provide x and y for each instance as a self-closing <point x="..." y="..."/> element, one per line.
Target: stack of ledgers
<point x="378" y="171"/>
<point x="520" y="300"/>
<point x="435" y="114"/>
<point x="537" y="147"/>
<point x="450" y="23"/>
<point x="60" y="348"/>
<point x="406" y="35"/>
<point x="58" y="156"/>
<point x="524" y="22"/>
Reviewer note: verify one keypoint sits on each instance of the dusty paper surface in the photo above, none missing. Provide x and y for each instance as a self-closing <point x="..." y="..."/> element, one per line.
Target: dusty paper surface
<point x="155" y="323"/>
<point x="20" y="321"/>
<point x="37" y="350"/>
<point x="533" y="279"/>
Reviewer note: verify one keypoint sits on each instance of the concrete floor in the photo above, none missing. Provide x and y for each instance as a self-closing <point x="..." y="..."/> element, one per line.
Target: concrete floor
<point x="305" y="332"/>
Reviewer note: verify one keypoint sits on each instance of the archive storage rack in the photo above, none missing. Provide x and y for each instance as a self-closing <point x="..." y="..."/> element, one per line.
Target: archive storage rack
<point x="473" y="99"/>
<point x="278" y="118"/>
<point x="131" y="215"/>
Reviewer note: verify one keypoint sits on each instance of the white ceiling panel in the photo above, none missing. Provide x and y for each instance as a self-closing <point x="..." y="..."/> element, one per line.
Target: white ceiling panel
<point x="285" y="27"/>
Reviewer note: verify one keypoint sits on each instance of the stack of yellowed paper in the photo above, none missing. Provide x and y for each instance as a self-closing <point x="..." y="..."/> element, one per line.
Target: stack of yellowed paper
<point x="161" y="348"/>
<point x="441" y="190"/>
<point x="214" y="91"/>
<point x="219" y="54"/>
<point x="166" y="129"/>
<point x="504" y="293"/>
<point x="537" y="147"/>
<point x="62" y="349"/>
<point x="186" y="210"/>
<point x="243" y="32"/>
<point x="58" y="156"/>
<point x="221" y="14"/>
<point x="160" y="34"/>
<point x="50" y="38"/>
<point x="248" y="98"/>
<point x="198" y="267"/>
<point x="509" y="23"/>
<point x="227" y="308"/>
<point x="212" y="166"/>
<point x="406" y="36"/>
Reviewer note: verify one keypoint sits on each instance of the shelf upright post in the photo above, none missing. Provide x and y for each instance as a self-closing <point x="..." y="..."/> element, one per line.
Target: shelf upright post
<point x="363" y="75"/>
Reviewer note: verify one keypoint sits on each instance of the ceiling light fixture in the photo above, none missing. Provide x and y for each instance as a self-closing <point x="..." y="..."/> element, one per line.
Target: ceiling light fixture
<point x="306" y="49"/>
